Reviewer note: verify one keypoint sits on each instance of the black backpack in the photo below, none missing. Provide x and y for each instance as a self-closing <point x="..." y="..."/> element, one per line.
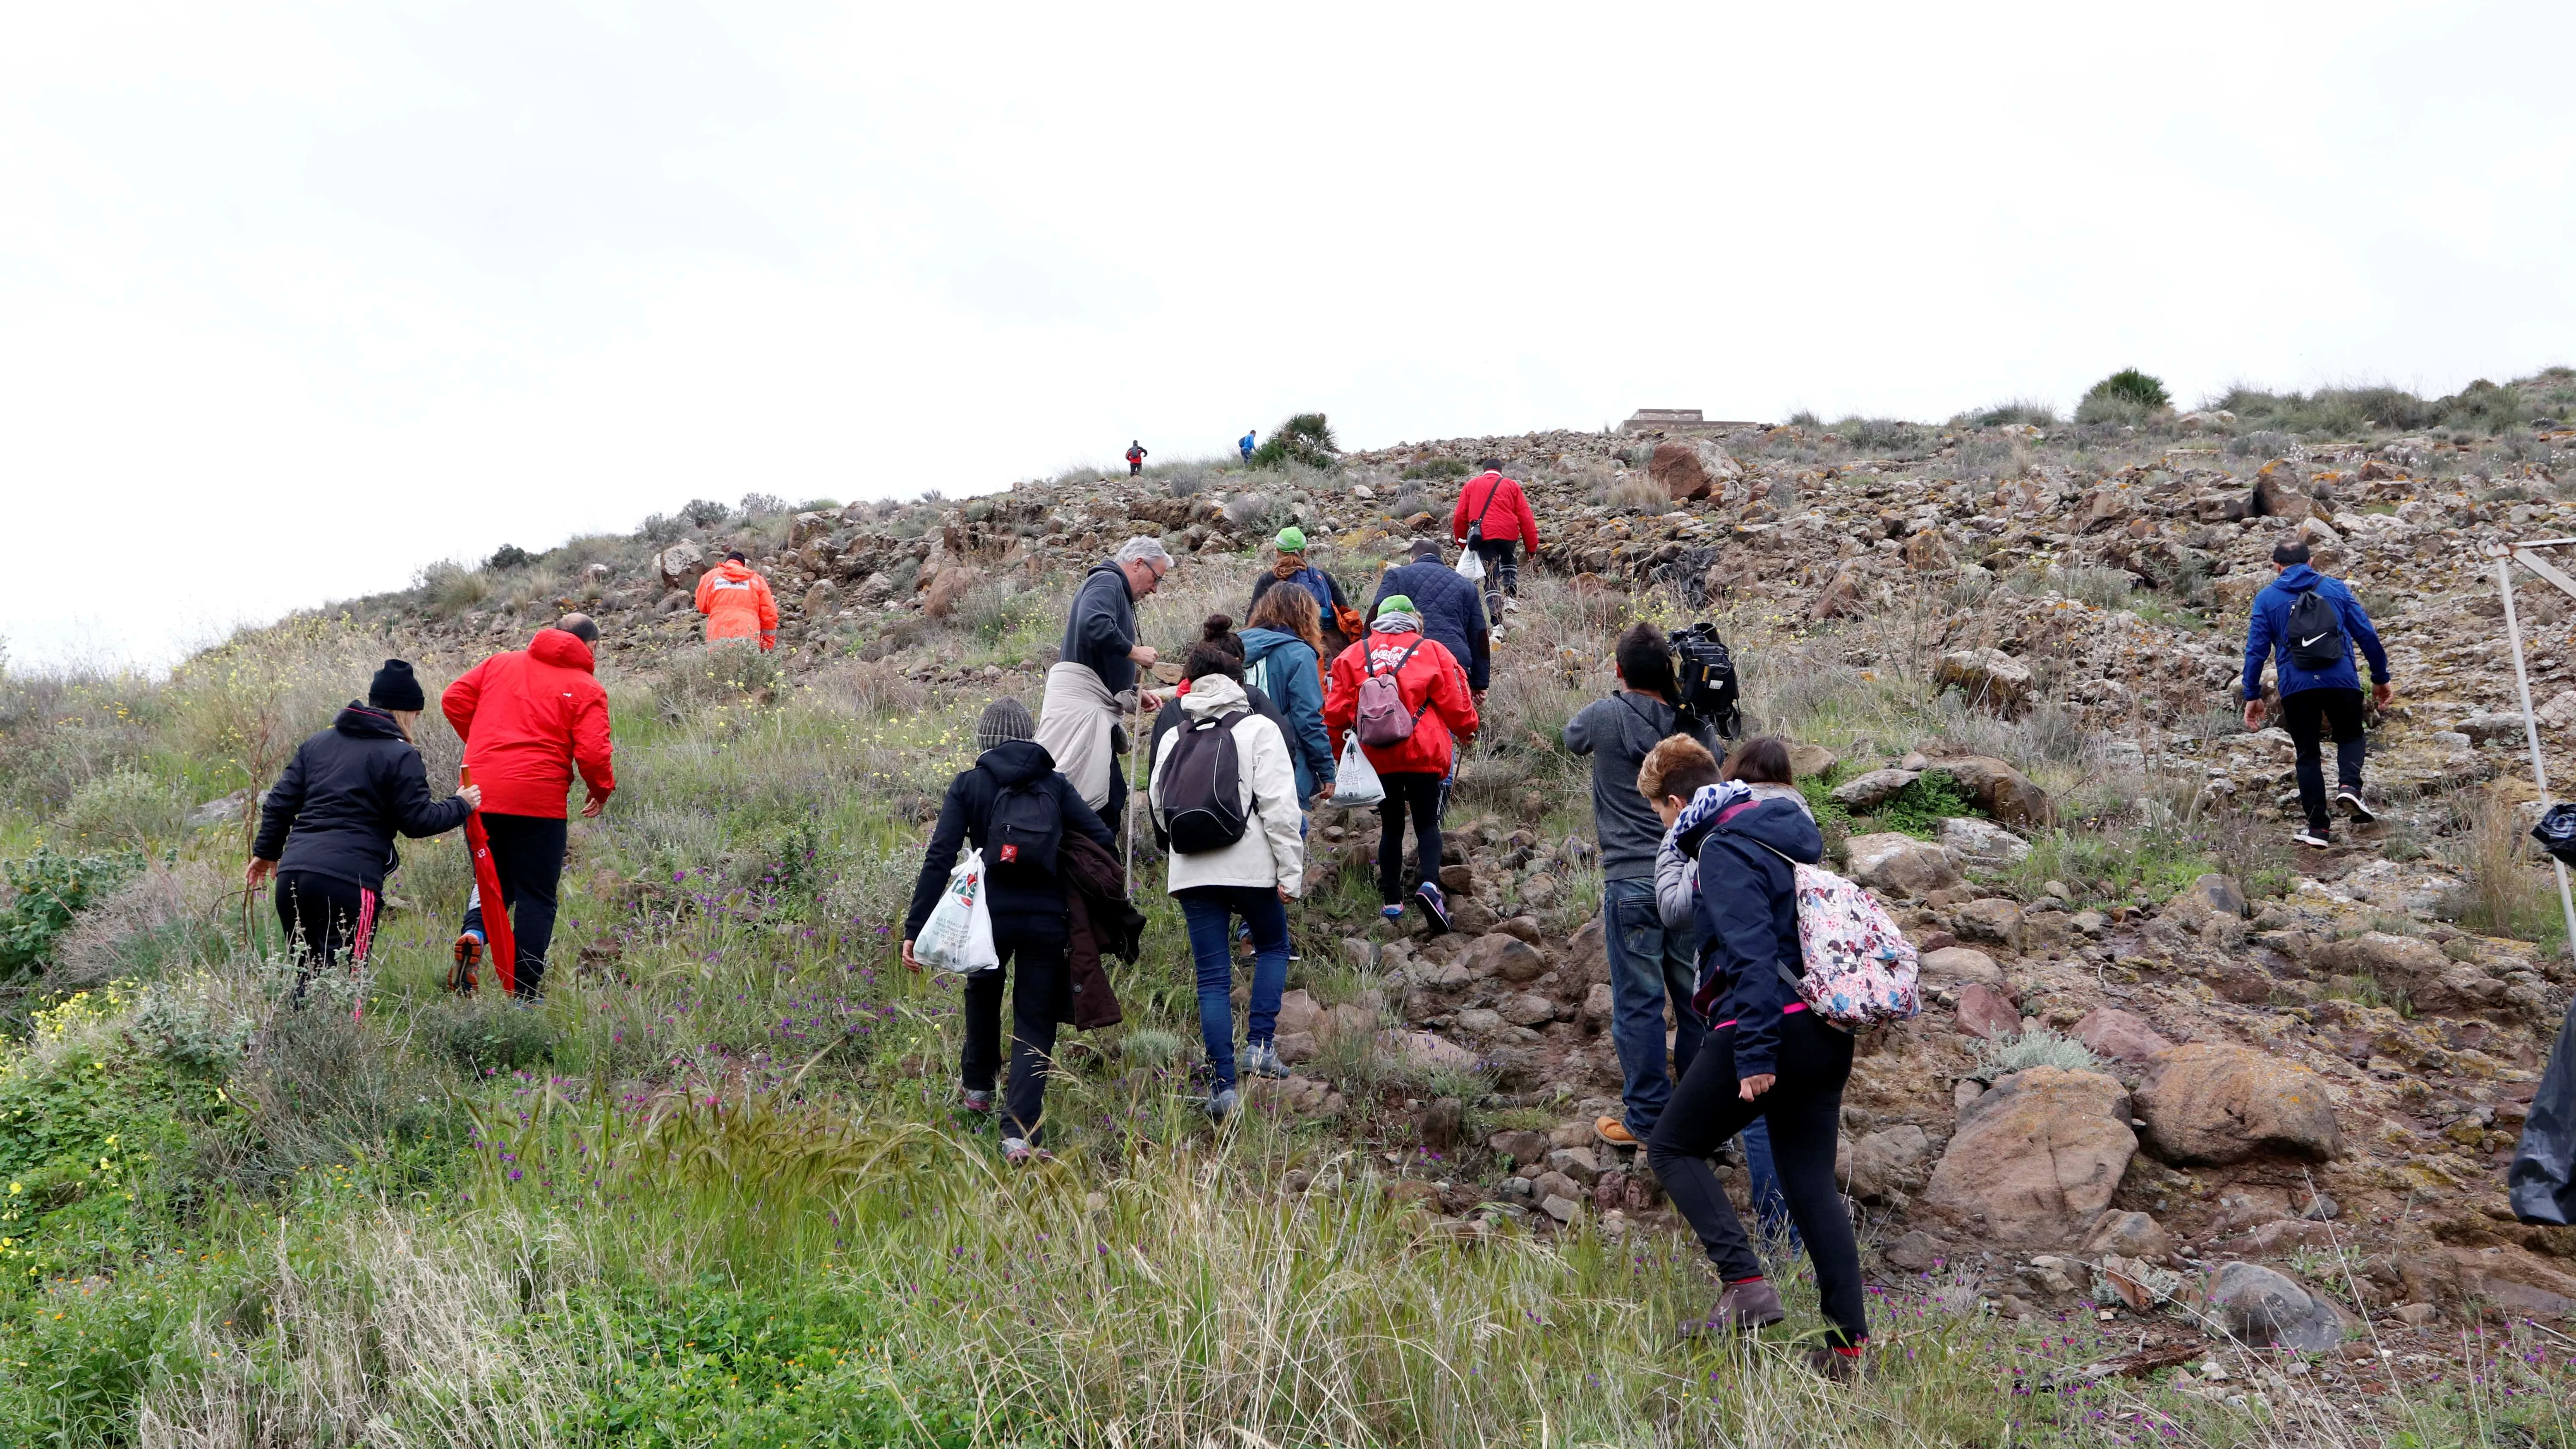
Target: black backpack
<point x="1202" y="787"/>
<point x="1026" y="826"/>
<point x="1706" y="673"/>
<point x="2316" y="633"/>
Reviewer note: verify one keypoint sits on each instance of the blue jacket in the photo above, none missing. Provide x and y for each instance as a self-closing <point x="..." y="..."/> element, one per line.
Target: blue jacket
<point x="1748" y="926"/>
<point x="1452" y="612"/>
<point x="1246" y="445"/>
<point x="2269" y="630"/>
<point x="1283" y="666"/>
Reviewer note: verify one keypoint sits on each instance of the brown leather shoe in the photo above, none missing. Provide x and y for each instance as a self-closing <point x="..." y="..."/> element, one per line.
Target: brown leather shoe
<point x="1830" y="1364"/>
<point x="1613" y="1131"/>
<point x="1742" y="1308"/>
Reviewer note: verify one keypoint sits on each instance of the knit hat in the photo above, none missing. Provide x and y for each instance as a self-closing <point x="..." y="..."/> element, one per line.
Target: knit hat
<point x="1292" y="539"/>
<point x="1004" y="720"/>
<point x="1395" y="604"/>
<point x="394" y="688"/>
<point x="1425" y="548"/>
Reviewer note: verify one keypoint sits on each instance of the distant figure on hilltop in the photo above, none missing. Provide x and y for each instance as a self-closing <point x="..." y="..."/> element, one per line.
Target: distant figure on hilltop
<point x="529" y="718"/>
<point x="738" y="603"/>
<point x="2313" y="621"/>
<point x="1245" y="443"/>
<point x="1493" y="518"/>
<point x="327" y="826"/>
<point x="1135" y="457"/>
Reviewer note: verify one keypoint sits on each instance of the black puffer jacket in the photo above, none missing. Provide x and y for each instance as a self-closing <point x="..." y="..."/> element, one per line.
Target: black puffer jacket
<point x="1027" y="901"/>
<point x="335" y="809"/>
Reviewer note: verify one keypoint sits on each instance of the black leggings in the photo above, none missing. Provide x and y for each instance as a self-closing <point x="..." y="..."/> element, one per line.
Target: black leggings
<point x="1040" y="995"/>
<point x="1804" y="1109"/>
<point x="1502" y="568"/>
<point x="325" y="917"/>
<point x="1421" y="795"/>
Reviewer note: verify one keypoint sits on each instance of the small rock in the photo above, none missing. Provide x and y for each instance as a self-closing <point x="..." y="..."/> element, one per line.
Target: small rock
<point x="1900" y="864"/>
<point x="2209" y="1103"/>
<point x="2417" y="1316"/>
<point x="1554" y="1184"/>
<point x="1522" y="1147"/>
<point x="2263" y="1307"/>
<point x="1509" y="957"/>
<point x="1869" y="791"/>
<point x="2120" y="1036"/>
<point x="1563" y="1209"/>
<point x="1913" y="1252"/>
<point x="1991" y="919"/>
<point x="2130" y="1235"/>
<point x="1986" y="1012"/>
<point x="1805" y="760"/>
<point x="1982" y="841"/>
<point x="1990" y="678"/>
<point x="1441" y="1123"/>
<point x="1957" y="966"/>
<point x="1527" y="1009"/>
<point x="1575" y="1162"/>
<point x="2005" y="793"/>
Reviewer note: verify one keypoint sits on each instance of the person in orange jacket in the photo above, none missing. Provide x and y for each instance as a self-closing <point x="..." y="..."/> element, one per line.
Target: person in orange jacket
<point x="529" y="717"/>
<point x="738" y="603"/>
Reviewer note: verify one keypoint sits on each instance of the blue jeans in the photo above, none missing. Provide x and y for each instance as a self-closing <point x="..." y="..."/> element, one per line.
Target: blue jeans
<point x="1209" y="912"/>
<point x="1770" y="1205"/>
<point x="1648" y="965"/>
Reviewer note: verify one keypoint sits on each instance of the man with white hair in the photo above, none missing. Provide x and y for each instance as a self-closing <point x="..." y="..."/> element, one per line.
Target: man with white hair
<point x="1095" y="680"/>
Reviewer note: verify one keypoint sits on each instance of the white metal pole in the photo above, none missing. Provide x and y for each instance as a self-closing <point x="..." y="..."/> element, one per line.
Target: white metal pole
<point x="2531" y="733"/>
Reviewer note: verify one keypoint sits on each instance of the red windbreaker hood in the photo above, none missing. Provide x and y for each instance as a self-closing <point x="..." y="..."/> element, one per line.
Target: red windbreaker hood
<point x="563" y="650"/>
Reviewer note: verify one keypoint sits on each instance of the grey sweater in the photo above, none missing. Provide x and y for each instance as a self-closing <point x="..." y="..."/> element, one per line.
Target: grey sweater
<point x="1617" y="732"/>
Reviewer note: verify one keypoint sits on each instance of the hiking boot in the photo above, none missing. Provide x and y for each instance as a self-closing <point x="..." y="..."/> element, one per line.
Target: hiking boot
<point x="1742" y="1308"/>
<point x="466" y="956"/>
<point x="2317" y="839"/>
<point x="1511" y="606"/>
<point x="1841" y="1365"/>
<point x="1435" y="905"/>
<point x="1222" y="1105"/>
<point x="1614" y="1132"/>
<point x="1019" y="1152"/>
<point x="1262" y="1060"/>
<point x="2350" y="803"/>
<point x="975" y="1101"/>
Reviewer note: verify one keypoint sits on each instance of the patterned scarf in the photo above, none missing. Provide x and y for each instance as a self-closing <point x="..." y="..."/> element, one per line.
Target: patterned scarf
<point x="1702" y="811"/>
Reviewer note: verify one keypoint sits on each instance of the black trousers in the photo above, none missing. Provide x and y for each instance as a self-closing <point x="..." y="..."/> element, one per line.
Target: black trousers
<point x="324" y="917"/>
<point x="1420" y="795"/>
<point x="1502" y="566"/>
<point x="1041" y="992"/>
<point x="2307" y="715"/>
<point x="1804" y="1109"/>
<point x="528" y="856"/>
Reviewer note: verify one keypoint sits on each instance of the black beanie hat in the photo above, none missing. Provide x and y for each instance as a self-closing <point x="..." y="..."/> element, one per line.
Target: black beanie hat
<point x="394" y="688"/>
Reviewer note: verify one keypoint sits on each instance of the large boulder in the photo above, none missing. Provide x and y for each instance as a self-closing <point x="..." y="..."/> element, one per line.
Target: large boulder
<point x="1505" y="956"/>
<point x="1959" y="966"/>
<point x="2035" y="1160"/>
<point x="1692" y="468"/>
<point x="680" y="564"/>
<point x="2006" y="793"/>
<point x="1992" y="918"/>
<point x="2215" y="1104"/>
<point x="1982" y="841"/>
<point x="1868" y="791"/>
<point x="1988" y="677"/>
<point x="1900" y="864"/>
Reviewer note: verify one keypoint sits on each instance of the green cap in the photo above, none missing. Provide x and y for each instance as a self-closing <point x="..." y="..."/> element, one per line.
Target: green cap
<point x="1292" y="539"/>
<point x="1395" y="604"/>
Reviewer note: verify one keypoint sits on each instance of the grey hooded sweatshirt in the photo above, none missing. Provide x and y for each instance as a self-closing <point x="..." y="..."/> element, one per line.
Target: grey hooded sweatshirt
<point x="1617" y="732"/>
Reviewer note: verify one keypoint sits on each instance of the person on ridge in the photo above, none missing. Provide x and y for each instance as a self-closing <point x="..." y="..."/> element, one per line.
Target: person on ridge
<point x="1493" y="517"/>
<point x="737" y="603"/>
<point x="1135" y="457"/>
<point x="1648" y="963"/>
<point x="1030" y="929"/>
<point x="327" y="826"/>
<point x="1253" y="877"/>
<point x="1245" y="444"/>
<point x="2312" y="622"/>
<point x="1434" y="690"/>
<point x="530" y="717"/>
<point x="1336" y="615"/>
<point x="1766" y="1057"/>
<point x="1093" y="681"/>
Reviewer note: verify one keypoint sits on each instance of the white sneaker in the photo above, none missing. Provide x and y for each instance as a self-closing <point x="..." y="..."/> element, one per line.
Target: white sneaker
<point x="2350" y="800"/>
<point x="2311" y="838"/>
<point x="1511" y="606"/>
<point x="1263" y="1060"/>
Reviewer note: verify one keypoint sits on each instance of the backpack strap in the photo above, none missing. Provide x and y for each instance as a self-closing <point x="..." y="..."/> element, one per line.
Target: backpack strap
<point x="1398" y="670"/>
<point x="1477" y="528"/>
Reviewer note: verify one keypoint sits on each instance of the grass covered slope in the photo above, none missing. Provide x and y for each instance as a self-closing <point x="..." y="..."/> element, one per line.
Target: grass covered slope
<point x="714" y="1189"/>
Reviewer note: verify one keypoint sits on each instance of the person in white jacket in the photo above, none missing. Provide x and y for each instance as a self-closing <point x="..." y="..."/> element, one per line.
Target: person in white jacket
<point x="1254" y="875"/>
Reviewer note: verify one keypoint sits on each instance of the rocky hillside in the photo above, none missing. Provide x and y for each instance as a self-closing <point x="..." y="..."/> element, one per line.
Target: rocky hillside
<point x="2171" y="1060"/>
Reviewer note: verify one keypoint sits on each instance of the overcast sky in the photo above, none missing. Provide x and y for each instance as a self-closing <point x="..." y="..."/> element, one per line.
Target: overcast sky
<point x="294" y="300"/>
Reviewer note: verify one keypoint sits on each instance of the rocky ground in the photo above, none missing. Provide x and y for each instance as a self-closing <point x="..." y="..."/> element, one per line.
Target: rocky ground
<point x="2302" y="1088"/>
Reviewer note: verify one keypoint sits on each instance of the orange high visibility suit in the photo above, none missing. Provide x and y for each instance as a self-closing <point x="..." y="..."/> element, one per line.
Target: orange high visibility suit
<point x="738" y="604"/>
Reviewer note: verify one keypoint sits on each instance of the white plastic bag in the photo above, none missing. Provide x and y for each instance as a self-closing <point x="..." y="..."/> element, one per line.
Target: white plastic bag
<point x="1471" y="565"/>
<point x="959" y="934"/>
<point x="1355" y="781"/>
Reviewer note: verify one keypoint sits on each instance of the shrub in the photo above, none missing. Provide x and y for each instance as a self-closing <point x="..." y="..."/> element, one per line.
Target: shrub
<point x="1635" y="491"/>
<point x="1305" y="440"/>
<point x="1436" y="469"/>
<point x="1919" y="808"/>
<point x="449" y="588"/>
<point x="2037" y="1046"/>
<point x="125" y="809"/>
<point x="2019" y="410"/>
<point x="1881" y="435"/>
<point x="763" y="505"/>
<point x="46" y="891"/>
<point x="509" y="556"/>
<point x="2128" y="385"/>
<point x="1251" y="512"/>
<point x="704" y="512"/>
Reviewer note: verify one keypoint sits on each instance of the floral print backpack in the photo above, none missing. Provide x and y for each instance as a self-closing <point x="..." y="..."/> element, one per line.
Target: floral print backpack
<point x="1860" y="969"/>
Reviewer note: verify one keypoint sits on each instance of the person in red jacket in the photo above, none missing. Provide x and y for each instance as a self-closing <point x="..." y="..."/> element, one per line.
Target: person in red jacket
<point x="1493" y="517"/>
<point x="738" y="603"/>
<point x="529" y="718"/>
<point x="1433" y="686"/>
